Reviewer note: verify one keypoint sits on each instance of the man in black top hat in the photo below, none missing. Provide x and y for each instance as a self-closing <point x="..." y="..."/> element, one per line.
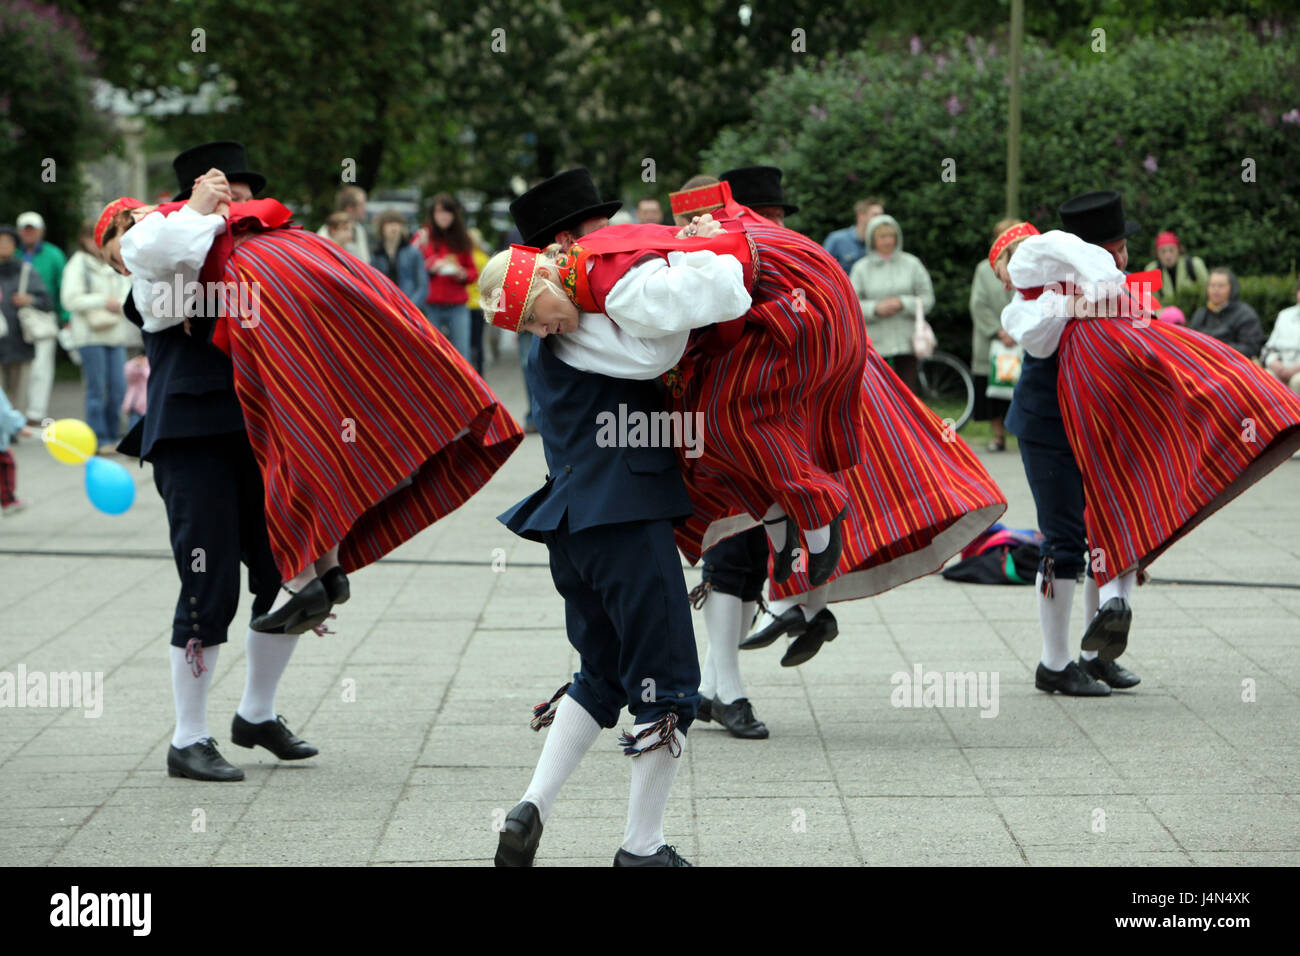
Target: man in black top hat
<point x="561" y="209"/>
<point x="759" y="188"/>
<point x="226" y="155"/>
<point x="203" y="466"/>
<point x="1057" y="487"/>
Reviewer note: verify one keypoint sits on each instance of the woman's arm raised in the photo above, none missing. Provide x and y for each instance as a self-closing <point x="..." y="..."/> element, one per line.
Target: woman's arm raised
<point x="688" y="291"/>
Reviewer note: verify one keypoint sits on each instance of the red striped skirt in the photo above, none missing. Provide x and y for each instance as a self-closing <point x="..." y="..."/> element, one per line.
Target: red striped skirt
<point x="919" y="496"/>
<point x="1167" y="425"/>
<point x="782" y="408"/>
<point x="347" y="392"/>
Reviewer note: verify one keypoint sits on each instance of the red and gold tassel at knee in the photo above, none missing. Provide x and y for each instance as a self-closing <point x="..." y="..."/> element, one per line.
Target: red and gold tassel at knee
<point x="665" y="728"/>
<point x="544" y="713"/>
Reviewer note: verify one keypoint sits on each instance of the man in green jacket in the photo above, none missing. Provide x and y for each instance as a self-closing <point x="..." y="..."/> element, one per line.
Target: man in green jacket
<point x="47" y="261"/>
<point x="988" y="297"/>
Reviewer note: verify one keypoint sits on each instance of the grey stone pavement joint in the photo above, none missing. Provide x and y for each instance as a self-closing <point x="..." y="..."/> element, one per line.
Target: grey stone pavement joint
<point x="446" y="657"/>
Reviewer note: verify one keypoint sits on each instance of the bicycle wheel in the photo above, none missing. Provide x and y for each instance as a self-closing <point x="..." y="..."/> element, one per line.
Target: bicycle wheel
<point x="947" y="388"/>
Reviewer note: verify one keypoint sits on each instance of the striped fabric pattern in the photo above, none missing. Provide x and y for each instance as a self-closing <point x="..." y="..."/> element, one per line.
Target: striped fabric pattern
<point x="919" y="496"/>
<point x="1168" y="425"/>
<point x="347" y="392"/>
<point x="782" y="408"/>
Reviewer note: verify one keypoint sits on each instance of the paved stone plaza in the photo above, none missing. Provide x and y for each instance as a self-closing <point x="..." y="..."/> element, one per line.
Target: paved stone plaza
<point x="444" y="658"/>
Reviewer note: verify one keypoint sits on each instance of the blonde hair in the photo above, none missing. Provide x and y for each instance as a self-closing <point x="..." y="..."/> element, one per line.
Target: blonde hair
<point x="493" y="276"/>
<point x="1003" y="225"/>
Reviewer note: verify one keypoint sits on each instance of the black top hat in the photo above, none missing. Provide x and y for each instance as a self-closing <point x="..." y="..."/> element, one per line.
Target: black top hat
<point x="756" y="186"/>
<point x="1097" y="217"/>
<point x="557" y="204"/>
<point x="226" y="155"/>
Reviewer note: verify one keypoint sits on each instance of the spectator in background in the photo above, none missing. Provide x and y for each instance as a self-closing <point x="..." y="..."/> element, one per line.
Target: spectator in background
<point x="396" y="258"/>
<point x="352" y="201"/>
<point x="1225" y="317"/>
<point x="476" y="323"/>
<point x="16" y="353"/>
<point x="449" y="259"/>
<point x="1282" y="350"/>
<point x="849" y="244"/>
<point x="648" y="210"/>
<point x="988" y="297"/>
<point x="340" y="228"/>
<point x="48" y="261"/>
<point x="12" y="425"/>
<point x="890" y="283"/>
<point x="1179" y="269"/>
<point x="94" y="294"/>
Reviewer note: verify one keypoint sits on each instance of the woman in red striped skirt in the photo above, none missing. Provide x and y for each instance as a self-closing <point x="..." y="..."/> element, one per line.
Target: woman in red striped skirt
<point x="368" y="426"/>
<point x="1167" y="425"/>
<point x="916" y="495"/>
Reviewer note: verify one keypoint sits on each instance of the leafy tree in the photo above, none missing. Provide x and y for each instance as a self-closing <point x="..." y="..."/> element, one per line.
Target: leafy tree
<point x="1167" y="120"/>
<point x="46" y="122"/>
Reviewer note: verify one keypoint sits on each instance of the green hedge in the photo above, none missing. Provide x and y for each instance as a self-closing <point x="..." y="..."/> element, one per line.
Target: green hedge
<point x="1167" y="120"/>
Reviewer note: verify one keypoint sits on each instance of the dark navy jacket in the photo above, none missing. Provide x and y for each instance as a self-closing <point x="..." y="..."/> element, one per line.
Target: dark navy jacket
<point x="1035" y="413"/>
<point x="593" y="485"/>
<point x="191" y="390"/>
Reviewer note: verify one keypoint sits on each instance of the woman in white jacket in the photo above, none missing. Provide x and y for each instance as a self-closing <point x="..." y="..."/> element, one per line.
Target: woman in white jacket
<point x="93" y="294"/>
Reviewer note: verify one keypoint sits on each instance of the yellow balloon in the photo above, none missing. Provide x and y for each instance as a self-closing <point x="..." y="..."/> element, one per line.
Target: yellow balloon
<point x="71" y="441"/>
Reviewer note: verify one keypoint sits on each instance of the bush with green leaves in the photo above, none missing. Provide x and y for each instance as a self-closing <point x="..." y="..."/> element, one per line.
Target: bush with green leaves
<point x="1199" y="130"/>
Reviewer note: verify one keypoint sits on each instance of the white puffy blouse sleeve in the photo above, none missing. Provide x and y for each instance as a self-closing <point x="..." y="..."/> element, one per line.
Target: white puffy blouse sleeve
<point x="688" y="291"/>
<point x="602" y="347"/>
<point x="1055" y="258"/>
<point x="167" y="249"/>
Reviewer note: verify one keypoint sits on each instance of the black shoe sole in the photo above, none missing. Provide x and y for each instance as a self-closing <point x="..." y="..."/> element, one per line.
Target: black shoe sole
<point x="804" y="657"/>
<point x="173" y="772"/>
<point x="1053" y="689"/>
<point x="298" y="623"/>
<point x="1107" y="633"/>
<point x="250" y="744"/>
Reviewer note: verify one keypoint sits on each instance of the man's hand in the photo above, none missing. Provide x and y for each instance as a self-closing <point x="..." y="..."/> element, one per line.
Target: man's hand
<point x="1005" y="338"/>
<point x="112" y="305"/>
<point x="22" y="298"/>
<point x="211" y="194"/>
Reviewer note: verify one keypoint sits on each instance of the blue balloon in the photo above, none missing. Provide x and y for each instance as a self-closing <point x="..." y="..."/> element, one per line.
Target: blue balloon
<point x="109" y="486"/>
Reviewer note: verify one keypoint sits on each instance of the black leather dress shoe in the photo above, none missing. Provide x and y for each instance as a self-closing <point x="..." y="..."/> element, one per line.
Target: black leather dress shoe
<point x="1116" y="675"/>
<point x="307" y="608"/>
<point x="201" y="761"/>
<point x="790" y="621"/>
<point x="738" y="717"/>
<point x="336" y="585"/>
<point x="822" y="628"/>
<point x="1072" y="682"/>
<point x="517" y="844"/>
<point x="822" y="564"/>
<point x="274" y="735"/>
<point x="705" y="711"/>
<point x="783" y="560"/>
<point x="1107" y="633"/>
<point x="664" y="856"/>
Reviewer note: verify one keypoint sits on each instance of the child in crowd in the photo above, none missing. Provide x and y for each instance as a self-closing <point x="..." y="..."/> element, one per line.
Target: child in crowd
<point x="12" y="425"/>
